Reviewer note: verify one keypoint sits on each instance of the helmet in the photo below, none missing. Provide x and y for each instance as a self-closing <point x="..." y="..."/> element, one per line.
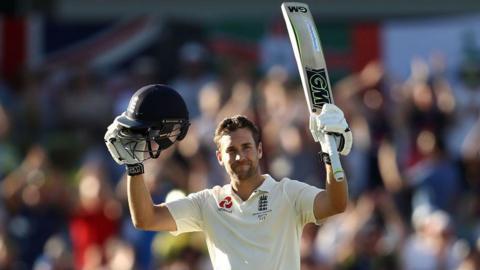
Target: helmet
<point x="156" y="117"/>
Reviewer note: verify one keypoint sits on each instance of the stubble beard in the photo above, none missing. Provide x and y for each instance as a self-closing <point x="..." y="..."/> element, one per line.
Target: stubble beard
<point x="241" y="174"/>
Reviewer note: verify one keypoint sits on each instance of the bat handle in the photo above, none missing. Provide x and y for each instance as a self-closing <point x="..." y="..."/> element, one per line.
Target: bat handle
<point x="335" y="159"/>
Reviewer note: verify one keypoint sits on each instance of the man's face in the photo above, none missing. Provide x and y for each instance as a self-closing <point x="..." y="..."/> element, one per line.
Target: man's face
<point x="239" y="154"/>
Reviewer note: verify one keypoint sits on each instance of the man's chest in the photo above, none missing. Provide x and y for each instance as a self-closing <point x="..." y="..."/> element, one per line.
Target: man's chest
<point x="252" y="230"/>
<point x="259" y="211"/>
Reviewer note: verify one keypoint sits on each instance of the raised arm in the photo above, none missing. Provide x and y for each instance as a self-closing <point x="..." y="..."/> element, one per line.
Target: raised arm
<point x="146" y="215"/>
<point x="155" y="119"/>
<point x="334" y="199"/>
<point x="331" y="121"/>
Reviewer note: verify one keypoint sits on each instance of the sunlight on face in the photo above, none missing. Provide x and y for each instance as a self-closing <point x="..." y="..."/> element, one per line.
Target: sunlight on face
<point x="239" y="154"/>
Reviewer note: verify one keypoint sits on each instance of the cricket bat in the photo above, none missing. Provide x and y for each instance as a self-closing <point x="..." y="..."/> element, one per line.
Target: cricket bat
<point x="312" y="67"/>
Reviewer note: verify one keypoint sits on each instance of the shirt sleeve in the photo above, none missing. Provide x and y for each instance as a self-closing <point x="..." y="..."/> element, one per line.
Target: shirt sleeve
<point x="187" y="213"/>
<point x="302" y="197"/>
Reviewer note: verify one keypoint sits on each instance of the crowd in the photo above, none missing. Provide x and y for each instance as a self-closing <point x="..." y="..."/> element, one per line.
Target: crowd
<point x="414" y="171"/>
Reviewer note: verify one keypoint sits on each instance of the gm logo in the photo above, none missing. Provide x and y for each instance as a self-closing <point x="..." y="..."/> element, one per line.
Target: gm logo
<point x="297" y="9"/>
<point x="319" y="89"/>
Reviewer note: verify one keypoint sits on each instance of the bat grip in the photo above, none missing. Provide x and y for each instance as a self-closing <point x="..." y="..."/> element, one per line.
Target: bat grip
<point x="335" y="159"/>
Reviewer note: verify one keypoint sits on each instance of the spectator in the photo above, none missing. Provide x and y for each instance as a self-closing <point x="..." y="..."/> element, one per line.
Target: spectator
<point x="36" y="200"/>
<point x="433" y="245"/>
<point x="436" y="179"/>
<point x="94" y="218"/>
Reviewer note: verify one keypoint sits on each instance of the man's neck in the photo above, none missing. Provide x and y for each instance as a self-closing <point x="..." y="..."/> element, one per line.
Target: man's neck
<point x="244" y="188"/>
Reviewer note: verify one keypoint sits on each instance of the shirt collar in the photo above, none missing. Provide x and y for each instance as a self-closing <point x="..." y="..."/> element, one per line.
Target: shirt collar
<point x="228" y="189"/>
<point x="266" y="186"/>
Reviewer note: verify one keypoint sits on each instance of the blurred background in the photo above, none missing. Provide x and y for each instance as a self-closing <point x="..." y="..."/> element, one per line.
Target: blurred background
<point x="407" y="76"/>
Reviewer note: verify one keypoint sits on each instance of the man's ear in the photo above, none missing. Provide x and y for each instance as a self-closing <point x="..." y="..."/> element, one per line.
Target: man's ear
<point x="260" y="150"/>
<point x="219" y="157"/>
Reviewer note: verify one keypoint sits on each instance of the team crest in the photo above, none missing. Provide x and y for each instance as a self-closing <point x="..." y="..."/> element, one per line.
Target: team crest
<point x="263" y="203"/>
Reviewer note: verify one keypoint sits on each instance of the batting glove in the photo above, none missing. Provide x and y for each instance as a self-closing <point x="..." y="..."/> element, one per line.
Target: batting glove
<point x="122" y="154"/>
<point x="331" y="121"/>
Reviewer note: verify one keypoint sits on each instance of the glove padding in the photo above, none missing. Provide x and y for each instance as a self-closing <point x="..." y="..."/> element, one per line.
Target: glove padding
<point x="116" y="146"/>
<point x="331" y="121"/>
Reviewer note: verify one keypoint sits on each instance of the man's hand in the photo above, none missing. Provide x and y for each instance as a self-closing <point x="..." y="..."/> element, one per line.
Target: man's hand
<point x="331" y="121"/>
<point x="120" y="153"/>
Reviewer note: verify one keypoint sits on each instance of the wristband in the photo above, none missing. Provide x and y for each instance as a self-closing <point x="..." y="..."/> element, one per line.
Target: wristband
<point x="135" y="169"/>
<point x="325" y="158"/>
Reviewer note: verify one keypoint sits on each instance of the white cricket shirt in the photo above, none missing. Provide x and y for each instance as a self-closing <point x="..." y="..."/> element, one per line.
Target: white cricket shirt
<point x="262" y="232"/>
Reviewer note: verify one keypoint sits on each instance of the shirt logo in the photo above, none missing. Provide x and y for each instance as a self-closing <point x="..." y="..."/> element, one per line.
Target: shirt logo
<point x="263" y="203"/>
<point x="226" y="203"/>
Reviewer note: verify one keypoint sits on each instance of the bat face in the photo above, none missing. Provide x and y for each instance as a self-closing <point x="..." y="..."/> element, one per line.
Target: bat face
<point x="308" y="54"/>
<point x="311" y="64"/>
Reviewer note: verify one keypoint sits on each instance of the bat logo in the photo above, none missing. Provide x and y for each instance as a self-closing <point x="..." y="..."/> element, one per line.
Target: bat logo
<point x="297" y="9"/>
<point x="317" y="81"/>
